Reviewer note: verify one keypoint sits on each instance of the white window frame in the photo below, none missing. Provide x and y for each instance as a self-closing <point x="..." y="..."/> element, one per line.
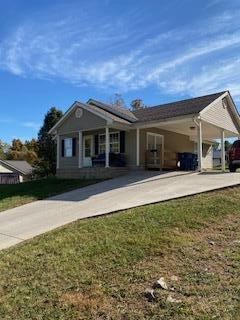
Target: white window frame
<point x="68" y="150"/>
<point x="104" y="144"/>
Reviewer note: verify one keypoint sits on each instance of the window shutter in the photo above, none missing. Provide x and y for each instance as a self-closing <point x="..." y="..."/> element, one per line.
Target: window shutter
<point x="63" y="147"/>
<point x="74" y="147"/>
<point x="122" y="141"/>
<point x="96" y="144"/>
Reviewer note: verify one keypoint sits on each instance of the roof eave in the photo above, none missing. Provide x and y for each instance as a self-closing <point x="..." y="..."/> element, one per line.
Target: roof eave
<point x="139" y="124"/>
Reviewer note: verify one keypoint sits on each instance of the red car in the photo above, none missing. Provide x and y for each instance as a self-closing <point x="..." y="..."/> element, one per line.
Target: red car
<point x="234" y="156"/>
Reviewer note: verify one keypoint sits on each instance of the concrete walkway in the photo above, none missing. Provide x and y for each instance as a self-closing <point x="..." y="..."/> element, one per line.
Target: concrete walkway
<point x="133" y="190"/>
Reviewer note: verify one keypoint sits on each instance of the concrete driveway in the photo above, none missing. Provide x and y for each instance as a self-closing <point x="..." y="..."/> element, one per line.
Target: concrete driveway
<point x="133" y="190"/>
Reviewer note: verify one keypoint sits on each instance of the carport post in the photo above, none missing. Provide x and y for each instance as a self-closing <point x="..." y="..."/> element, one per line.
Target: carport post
<point x="223" y="162"/>
<point x="137" y="146"/>
<point x="107" y="147"/>
<point x="199" y="140"/>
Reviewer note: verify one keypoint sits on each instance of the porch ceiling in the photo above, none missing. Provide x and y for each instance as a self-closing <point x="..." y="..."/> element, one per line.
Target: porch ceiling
<point x="188" y="127"/>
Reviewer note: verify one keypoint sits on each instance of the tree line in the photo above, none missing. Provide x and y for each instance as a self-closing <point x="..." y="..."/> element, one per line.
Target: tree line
<point x="40" y="152"/>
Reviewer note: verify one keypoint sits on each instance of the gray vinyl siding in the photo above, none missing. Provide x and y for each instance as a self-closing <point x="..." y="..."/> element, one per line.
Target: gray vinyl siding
<point x="130" y="148"/>
<point x="220" y="116"/>
<point x="88" y="121"/>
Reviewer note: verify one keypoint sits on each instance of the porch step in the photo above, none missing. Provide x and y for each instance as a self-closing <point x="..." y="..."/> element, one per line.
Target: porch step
<point x="91" y="173"/>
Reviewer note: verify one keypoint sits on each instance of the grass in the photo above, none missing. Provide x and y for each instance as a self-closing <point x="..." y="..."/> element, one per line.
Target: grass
<point x="16" y="195"/>
<point x="99" y="268"/>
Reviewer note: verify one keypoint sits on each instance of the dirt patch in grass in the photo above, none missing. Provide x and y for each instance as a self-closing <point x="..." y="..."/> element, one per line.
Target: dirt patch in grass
<point x="89" y="302"/>
<point x="202" y="273"/>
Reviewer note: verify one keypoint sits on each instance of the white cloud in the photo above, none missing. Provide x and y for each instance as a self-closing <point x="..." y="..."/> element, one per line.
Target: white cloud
<point x="220" y="76"/>
<point x="114" y="54"/>
<point x="32" y="125"/>
<point x="199" y="50"/>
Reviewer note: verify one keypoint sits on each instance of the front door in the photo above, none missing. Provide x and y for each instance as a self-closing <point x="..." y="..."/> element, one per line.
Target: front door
<point x="87" y="151"/>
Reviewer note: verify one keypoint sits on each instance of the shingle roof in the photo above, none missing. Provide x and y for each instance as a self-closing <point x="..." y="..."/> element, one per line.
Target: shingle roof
<point x="175" y="109"/>
<point x="164" y="111"/>
<point x="108" y="114"/>
<point x="121" y="112"/>
<point x="19" y="165"/>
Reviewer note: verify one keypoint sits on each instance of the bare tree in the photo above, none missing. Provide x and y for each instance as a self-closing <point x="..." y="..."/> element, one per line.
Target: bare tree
<point x="137" y="104"/>
<point x="117" y="100"/>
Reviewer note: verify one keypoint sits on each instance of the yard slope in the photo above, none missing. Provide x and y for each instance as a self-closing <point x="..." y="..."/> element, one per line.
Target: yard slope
<point x="99" y="268"/>
<point x="18" y="194"/>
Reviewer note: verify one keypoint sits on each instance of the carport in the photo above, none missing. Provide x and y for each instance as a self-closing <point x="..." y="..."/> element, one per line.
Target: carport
<point x="218" y="121"/>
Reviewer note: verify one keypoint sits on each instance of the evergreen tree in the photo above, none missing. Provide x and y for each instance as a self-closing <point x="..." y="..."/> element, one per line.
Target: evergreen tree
<point x="46" y="144"/>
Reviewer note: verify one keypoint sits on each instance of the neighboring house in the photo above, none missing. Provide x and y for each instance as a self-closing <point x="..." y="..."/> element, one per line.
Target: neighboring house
<point x="99" y="140"/>
<point x="216" y="158"/>
<point x="14" y="171"/>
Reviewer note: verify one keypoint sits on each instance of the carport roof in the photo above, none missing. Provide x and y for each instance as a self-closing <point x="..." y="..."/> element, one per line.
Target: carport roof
<point x="175" y="109"/>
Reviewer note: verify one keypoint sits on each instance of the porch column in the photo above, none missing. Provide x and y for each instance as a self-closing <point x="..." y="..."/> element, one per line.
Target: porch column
<point x="80" y="149"/>
<point x="58" y="150"/>
<point x="223" y="162"/>
<point x="199" y="141"/>
<point x="137" y="147"/>
<point x="107" y="149"/>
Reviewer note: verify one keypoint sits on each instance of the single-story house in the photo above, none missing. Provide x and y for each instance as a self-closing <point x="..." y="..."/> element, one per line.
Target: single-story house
<point x="15" y="171"/>
<point x="95" y="139"/>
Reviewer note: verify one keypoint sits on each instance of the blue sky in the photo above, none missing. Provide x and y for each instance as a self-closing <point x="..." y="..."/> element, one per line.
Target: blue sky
<point x="55" y="52"/>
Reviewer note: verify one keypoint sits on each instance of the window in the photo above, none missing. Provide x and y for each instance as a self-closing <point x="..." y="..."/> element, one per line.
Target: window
<point x="68" y="148"/>
<point x="154" y="141"/>
<point x="114" y="142"/>
<point x="101" y="143"/>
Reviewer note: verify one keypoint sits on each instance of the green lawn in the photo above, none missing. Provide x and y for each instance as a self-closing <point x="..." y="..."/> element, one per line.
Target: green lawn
<point x="99" y="268"/>
<point x="16" y="195"/>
